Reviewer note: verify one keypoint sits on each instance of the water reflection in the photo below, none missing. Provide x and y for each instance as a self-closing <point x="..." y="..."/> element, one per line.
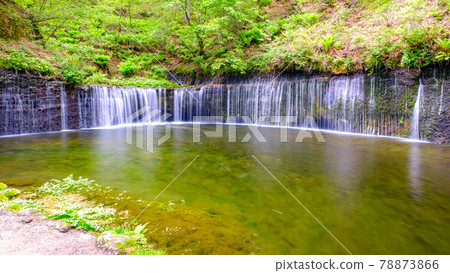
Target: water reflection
<point x="414" y="170"/>
<point x="376" y="195"/>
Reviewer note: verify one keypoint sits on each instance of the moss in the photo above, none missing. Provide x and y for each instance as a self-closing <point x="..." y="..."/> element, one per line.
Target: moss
<point x="3" y="198"/>
<point x="12" y="193"/>
<point x="3" y="186"/>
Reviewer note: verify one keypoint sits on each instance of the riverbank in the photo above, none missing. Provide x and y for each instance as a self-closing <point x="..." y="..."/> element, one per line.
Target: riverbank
<point x="25" y="233"/>
<point x="57" y="219"/>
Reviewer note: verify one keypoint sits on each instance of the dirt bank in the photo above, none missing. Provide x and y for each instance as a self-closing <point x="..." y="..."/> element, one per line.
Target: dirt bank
<point x="22" y="233"/>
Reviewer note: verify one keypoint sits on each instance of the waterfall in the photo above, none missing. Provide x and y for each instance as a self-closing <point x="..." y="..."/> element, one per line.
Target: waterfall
<point x="357" y="104"/>
<point x="64" y="109"/>
<point x="105" y="106"/>
<point x="416" y="114"/>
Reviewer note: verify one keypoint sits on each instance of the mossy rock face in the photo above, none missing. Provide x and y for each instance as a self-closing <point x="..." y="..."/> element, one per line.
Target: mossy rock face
<point x="10" y="193"/>
<point x="14" y="22"/>
<point x="3" y="186"/>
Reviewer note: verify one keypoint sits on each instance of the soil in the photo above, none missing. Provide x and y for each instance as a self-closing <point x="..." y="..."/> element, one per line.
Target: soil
<point x="38" y="236"/>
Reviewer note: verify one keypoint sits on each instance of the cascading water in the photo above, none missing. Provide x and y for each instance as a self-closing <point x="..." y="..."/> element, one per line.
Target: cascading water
<point x="104" y="106"/>
<point x="341" y="103"/>
<point x="64" y="109"/>
<point x="416" y="115"/>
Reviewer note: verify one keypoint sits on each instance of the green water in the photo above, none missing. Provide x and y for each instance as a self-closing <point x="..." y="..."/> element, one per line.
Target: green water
<point x="375" y="195"/>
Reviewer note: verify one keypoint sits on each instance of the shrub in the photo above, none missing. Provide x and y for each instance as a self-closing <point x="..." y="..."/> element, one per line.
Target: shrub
<point x="3" y="186"/>
<point x="73" y="74"/>
<point x="129" y="68"/>
<point x="68" y="40"/>
<point x="444" y="44"/>
<point x="418" y="48"/>
<point x="326" y="42"/>
<point x="21" y="60"/>
<point x="101" y="60"/>
<point x="252" y="35"/>
<point x="305" y="19"/>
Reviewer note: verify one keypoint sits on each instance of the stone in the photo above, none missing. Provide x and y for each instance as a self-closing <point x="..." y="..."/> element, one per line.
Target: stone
<point x="111" y="243"/>
<point x="26" y="220"/>
<point x="26" y="212"/>
<point x="62" y="226"/>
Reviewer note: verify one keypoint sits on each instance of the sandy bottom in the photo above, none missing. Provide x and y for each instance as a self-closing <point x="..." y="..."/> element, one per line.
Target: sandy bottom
<point x="41" y="237"/>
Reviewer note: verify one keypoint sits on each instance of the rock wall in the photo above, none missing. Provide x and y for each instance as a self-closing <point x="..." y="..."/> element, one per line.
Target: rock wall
<point x="371" y="104"/>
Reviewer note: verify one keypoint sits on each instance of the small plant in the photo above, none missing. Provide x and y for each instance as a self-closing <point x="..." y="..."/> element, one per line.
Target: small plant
<point x="3" y="186"/>
<point x="23" y="60"/>
<point x="444" y="44"/>
<point x="444" y="53"/>
<point x="326" y="41"/>
<point x="72" y="73"/>
<point x="67" y="185"/>
<point x="129" y="68"/>
<point x="101" y="60"/>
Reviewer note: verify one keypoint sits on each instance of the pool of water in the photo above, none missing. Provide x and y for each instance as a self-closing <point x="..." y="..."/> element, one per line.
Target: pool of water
<point x="375" y="195"/>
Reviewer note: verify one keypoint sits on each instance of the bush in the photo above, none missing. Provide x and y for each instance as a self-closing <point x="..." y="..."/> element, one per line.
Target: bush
<point x="129" y="68"/>
<point x="101" y="60"/>
<point x="418" y="48"/>
<point x="3" y="186"/>
<point x="21" y="60"/>
<point x="327" y="41"/>
<point x="73" y="74"/>
<point x="68" y="40"/>
<point x="252" y="35"/>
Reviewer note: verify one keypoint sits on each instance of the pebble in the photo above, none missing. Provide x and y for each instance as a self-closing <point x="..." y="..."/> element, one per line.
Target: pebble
<point x="26" y="220"/>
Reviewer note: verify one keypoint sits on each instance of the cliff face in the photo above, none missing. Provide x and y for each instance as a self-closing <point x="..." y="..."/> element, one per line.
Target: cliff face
<point x="379" y="105"/>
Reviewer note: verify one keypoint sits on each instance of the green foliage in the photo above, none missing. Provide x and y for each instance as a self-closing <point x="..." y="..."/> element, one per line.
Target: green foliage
<point x="80" y="217"/>
<point x="68" y="40"/>
<point x="444" y="44"/>
<point x="305" y="19"/>
<point x="444" y="53"/>
<point x="11" y="193"/>
<point x="67" y="185"/>
<point x="129" y="67"/>
<point x="149" y="251"/>
<point x="24" y="60"/>
<point x="73" y="74"/>
<point x="3" y="198"/>
<point x="418" y="52"/>
<point x="101" y="60"/>
<point x="327" y="41"/>
<point x="213" y="37"/>
<point x="3" y="186"/>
